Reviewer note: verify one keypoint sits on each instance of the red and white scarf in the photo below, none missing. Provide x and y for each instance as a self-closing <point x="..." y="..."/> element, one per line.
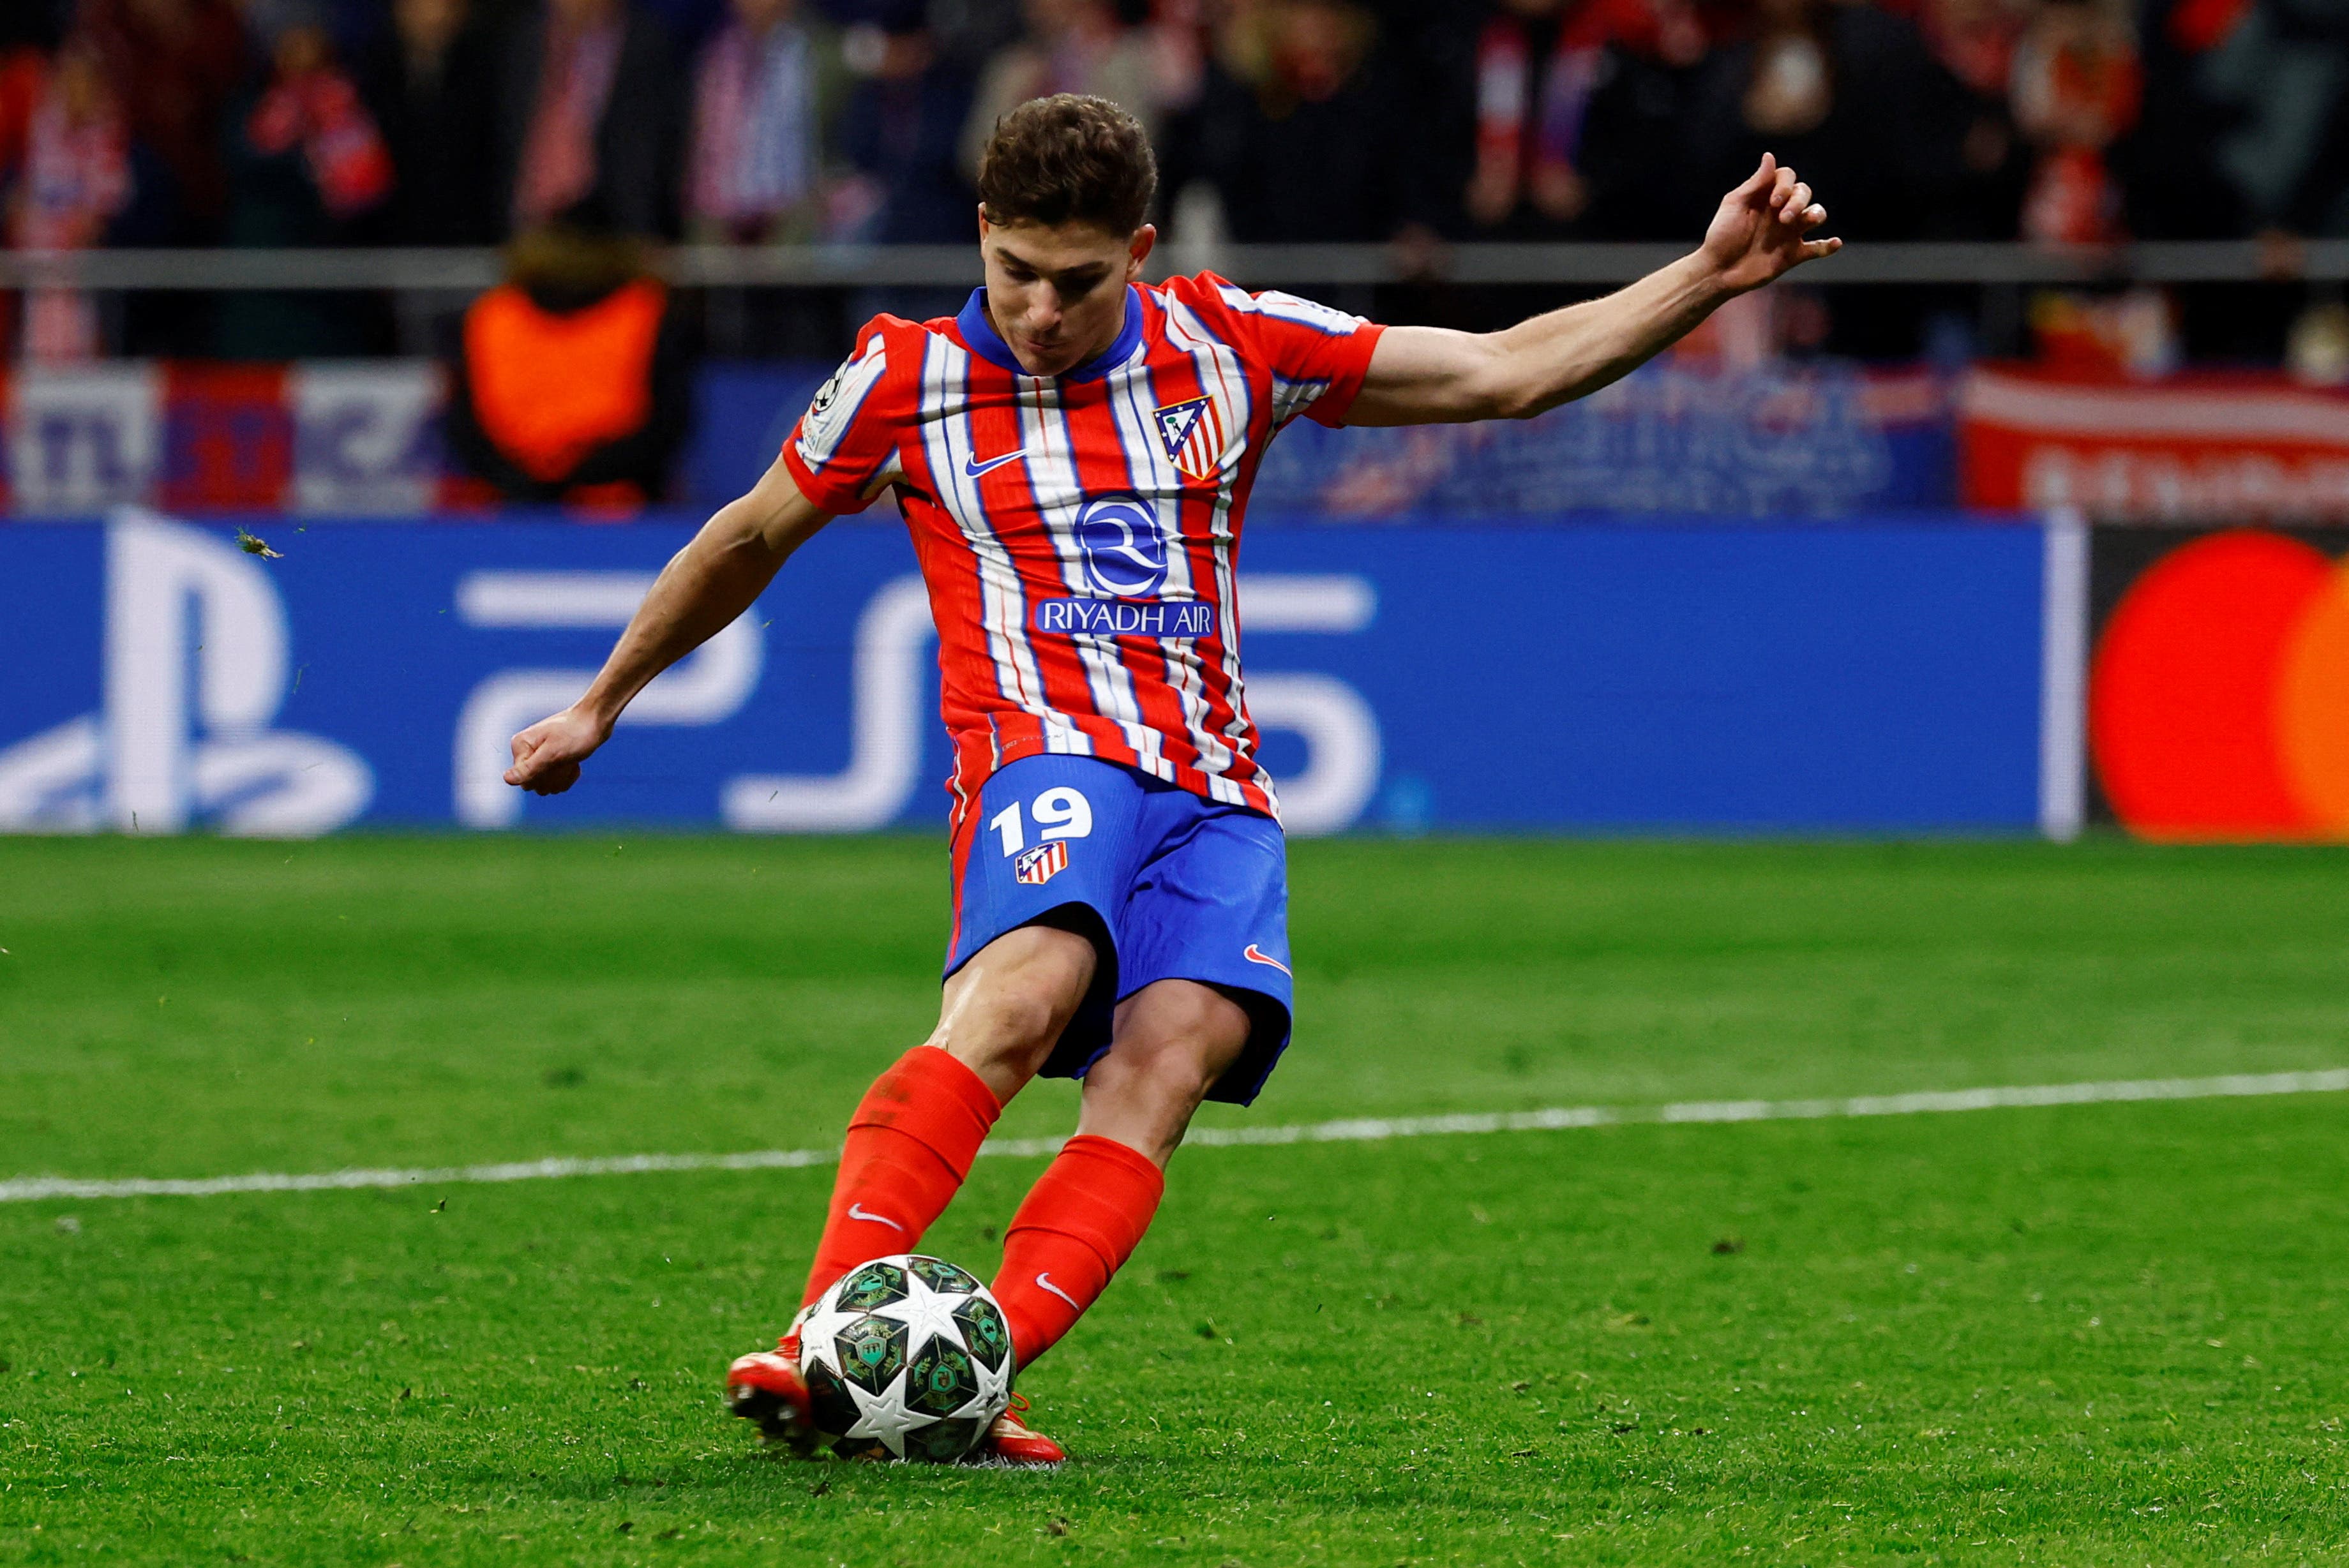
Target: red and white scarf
<point x="558" y="156"/>
<point x="321" y="112"/>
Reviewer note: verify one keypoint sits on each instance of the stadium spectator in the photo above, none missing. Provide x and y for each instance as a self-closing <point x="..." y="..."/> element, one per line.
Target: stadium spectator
<point x="1561" y="115"/>
<point x="1847" y="94"/>
<point x="768" y="83"/>
<point x="900" y="130"/>
<point x="1974" y="41"/>
<point x="77" y="182"/>
<point x="2172" y="183"/>
<point x="306" y="158"/>
<point x="1303" y="129"/>
<point x="589" y="109"/>
<point x="2076" y="89"/>
<point x="430" y="85"/>
<point x="173" y="65"/>
<point x="1070" y="46"/>
<point x="2280" y="68"/>
<point x="572" y="378"/>
<point x="2232" y="140"/>
<point x="307" y="165"/>
<point x="1840" y="92"/>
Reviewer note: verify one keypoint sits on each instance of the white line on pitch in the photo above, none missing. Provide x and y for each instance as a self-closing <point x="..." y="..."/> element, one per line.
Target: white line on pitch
<point x="1370" y="1129"/>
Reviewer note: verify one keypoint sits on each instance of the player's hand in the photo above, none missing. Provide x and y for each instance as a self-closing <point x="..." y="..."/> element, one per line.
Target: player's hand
<point x="548" y="754"/>
<point x="1764" y="229"/>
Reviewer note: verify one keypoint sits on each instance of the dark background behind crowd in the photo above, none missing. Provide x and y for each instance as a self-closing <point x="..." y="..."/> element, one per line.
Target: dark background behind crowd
<point x="466" y="123"/>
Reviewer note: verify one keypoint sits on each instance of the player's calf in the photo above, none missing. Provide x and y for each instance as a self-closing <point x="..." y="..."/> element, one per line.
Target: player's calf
<point x="1173" y="1040"/>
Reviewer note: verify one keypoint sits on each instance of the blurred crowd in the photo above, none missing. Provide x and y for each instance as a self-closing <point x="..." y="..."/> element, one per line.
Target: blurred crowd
<point x="462" y="122"/>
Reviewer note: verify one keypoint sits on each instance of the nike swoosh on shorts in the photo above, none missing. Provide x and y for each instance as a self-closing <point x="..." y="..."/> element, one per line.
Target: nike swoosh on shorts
<point x="1256" y="954"/>
<point x="973" y="468"/>
<point x="856" y="1212"/>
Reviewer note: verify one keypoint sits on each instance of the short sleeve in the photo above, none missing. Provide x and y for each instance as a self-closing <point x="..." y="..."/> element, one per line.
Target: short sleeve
<point x="844" y="447"/>
<point x="1318" y="357"/>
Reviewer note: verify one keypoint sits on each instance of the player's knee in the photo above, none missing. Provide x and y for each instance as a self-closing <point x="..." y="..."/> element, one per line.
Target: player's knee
<point x="1010" y="1025"/>
<point x="1174" y="1069"/>
<point x="1024" y="1025"/>
<point x="1007" y="1009"/>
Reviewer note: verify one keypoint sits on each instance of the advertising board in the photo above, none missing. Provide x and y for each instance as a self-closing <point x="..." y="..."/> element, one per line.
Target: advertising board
<point x="155" y="678"/>
<point x="2219" y="682"/>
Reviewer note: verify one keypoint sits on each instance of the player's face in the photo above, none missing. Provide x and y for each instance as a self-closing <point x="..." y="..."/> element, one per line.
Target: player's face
<point x="1057" y="295"/>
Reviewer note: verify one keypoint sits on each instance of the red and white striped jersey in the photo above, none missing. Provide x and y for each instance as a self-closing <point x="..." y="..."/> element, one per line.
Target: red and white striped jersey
<point x="1080" y="533"/>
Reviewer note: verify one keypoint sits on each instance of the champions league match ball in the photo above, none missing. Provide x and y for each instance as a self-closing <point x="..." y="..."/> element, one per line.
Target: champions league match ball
<point x="908" y="1353"/>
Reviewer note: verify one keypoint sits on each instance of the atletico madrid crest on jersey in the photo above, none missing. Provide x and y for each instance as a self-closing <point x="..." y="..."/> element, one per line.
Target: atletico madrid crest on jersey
<point x="1194" y="434"/>
<point x="1040" y="865"/>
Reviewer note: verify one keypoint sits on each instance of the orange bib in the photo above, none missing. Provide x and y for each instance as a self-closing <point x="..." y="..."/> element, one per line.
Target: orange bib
<point x="549" y="389"/>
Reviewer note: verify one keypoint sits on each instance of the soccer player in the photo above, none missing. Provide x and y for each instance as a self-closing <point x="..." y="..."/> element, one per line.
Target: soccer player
<point x="1074" y="453"/>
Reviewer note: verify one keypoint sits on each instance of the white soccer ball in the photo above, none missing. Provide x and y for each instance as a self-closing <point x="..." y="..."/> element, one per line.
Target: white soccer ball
<point x="909" y="1353"/>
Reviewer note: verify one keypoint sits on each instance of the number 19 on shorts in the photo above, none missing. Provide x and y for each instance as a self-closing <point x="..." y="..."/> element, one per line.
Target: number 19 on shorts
<point x="1060" y="813"/>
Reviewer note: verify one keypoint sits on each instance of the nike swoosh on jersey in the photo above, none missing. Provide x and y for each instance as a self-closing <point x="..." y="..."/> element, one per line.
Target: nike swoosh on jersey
<point x="973" y="468"/>
<point x="1256" y="954"/>
<point x="1044" y="1281"/>
<point x="856" y="1212"/>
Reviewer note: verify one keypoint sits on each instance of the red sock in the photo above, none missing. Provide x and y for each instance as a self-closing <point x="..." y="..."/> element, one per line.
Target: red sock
<point x="909" y="1145"/>
<point x="1080" y="1221"/>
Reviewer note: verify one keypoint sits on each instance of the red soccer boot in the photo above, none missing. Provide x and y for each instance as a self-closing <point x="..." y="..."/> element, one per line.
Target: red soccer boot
<point x="1009" y="1441"/>
<point x="766" y="1387"/>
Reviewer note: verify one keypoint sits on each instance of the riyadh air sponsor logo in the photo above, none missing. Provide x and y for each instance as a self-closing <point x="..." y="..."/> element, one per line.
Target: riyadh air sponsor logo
<point x="1044" y="1281"/>
<point x="1040" y="865"/>
<point x="857" y="1212"/>
<point x="973" y="468"/>
<point x="1125" y="617"/>
<point x="1194" y="434"/>
<point x="1256" y="954"/>
<point x="1124" y="544"/>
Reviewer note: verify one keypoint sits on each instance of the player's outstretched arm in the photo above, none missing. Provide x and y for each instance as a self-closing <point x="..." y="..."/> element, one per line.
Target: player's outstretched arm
<point x="698" y="594"/>
<point x="1429" y="375"/>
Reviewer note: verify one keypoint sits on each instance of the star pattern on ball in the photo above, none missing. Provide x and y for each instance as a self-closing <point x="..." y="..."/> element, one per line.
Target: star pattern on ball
<point x="926" y="1314"/>
<point x="820" y="1334"/>
<point x="994" y="1390"/>
<point x="932" y="1343"/>
<point x="884" y="1415"/>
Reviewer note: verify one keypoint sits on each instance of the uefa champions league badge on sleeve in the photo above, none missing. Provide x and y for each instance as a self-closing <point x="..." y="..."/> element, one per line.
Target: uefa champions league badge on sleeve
<point x="834" y="405"/>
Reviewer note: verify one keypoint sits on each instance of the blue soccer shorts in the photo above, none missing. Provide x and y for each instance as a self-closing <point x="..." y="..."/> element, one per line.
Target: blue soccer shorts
<point x="1168" y="886"/>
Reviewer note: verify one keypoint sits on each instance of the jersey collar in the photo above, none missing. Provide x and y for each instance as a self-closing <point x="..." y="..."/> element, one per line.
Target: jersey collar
<point x="988" y="343"/>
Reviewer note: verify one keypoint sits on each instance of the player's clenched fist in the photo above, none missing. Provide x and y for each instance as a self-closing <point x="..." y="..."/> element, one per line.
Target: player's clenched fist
<point x="1764" y="229"/>
<point x="546" y="756"/>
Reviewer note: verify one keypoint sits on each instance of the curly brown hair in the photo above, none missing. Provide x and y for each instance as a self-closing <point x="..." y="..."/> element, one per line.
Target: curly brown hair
<point x="1069" y="158"/>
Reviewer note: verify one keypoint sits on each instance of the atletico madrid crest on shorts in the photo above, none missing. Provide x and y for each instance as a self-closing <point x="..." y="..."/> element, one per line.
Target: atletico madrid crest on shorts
<point x="1194" y="434"/>
<point x="1040" y="865"/>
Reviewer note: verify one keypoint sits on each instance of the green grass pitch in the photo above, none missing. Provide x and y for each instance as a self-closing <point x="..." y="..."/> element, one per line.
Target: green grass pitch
<point x="2102" y="1334"/>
